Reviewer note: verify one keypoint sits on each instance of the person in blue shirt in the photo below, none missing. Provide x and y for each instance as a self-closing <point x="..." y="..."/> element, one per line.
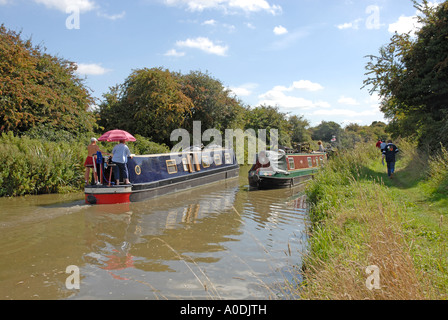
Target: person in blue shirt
<point x="121" y="153"/>
<point x="389" y="153"/>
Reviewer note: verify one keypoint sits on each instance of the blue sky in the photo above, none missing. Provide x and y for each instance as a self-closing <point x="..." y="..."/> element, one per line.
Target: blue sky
<point x="306" y="57"/>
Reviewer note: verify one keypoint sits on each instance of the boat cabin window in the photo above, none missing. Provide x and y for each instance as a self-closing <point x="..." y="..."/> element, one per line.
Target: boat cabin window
<point x="228" y="159"/>
<point x="196" y="162"/>
<point x="190" y="163"/>
<point x="171" y="166"/>
<point x="310" y="162"/>
<point x="205" y="161"/>
<point x="291" y="163"/>
<point x="185" y="164"/>
<point x="217" y="158"/>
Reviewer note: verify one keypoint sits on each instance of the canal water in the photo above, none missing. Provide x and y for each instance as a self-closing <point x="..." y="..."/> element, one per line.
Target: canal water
<point x="221" y="241"/>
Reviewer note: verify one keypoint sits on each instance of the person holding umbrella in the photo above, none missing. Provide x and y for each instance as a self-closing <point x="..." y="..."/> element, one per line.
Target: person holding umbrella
<point x="120" y="152"/>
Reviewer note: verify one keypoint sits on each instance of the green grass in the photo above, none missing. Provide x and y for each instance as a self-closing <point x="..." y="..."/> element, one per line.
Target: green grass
<point x="32" y="166"/>
<point x="360" y="218"/>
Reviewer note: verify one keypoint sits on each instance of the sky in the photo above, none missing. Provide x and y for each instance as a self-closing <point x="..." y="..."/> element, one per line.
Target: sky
<point x="306" y="57"/>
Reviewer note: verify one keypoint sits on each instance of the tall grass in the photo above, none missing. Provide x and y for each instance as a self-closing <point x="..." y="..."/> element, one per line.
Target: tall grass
<point x="35" y="166"/>
<point x="438" y="170"/>
<point x="360" y="218"/>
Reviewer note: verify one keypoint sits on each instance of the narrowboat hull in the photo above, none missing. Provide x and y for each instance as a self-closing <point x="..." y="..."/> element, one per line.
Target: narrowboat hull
<point x="157" y="175"/>
<point x="280" y="170"/>
<point x="279" y="180"/>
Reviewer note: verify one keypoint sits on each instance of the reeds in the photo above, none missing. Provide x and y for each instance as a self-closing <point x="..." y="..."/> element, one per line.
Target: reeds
<point x="35" y="166"/>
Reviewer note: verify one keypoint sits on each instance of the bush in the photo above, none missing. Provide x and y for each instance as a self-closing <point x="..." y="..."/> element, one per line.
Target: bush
<point x="438" y="171"/>
<point x="144" y="146"/>
<point x="33" y="166"/>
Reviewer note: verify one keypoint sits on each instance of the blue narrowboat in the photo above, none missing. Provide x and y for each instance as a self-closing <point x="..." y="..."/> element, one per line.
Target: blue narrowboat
<point x="155" y="175"/>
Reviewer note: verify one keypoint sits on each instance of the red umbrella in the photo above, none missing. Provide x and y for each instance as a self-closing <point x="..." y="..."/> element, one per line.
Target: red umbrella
<point x="117" y="135"/>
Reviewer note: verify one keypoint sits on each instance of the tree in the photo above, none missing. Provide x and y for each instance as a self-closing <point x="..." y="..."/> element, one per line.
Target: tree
<point x="213" y="104"/>
<point x="150" y="103"/>
<point x="411" y="76"/>
<point x="299" y="129"/>
<point x="37" y="89"/>
<point x="326" y="130"/>
<point x="268" y="117"/>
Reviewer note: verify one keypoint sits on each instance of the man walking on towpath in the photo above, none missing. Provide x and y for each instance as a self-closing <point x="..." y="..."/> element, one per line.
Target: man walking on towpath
<point x="389" y="153"/>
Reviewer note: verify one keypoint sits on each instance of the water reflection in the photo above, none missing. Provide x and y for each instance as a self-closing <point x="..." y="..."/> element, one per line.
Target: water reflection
<point x="215" y="242"/>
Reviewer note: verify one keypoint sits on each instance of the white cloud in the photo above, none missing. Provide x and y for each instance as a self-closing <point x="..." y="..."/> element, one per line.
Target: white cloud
<point x="350" y="25"/>
<point x="241" y="92"/>
<point x="244" y="90"/>
<point x="250" y="26"/>
<point x="210" y="22"/>
<point x="307" y="85"/>
<point x="280" y="99"/>
<point x="64" y="5"/>
<point x="280" y="30"/>
<point x="347" y="25"/>
<point x="226" y="5"/>
<point x="301" y="85"/>
<point x="254" y="6"/>
<point x="68" y="6"/>
<point x="112" y="17"/>
<point x="347" y="122"/>
<point x="91" y="69"/>
<point x="344" y="112"/>
<point x="348" y="101"/>
<point x="405" y="25"/>
<point x="174" y="53"/>
<point x="290" y="39"/>
<point x="203" y="44"/>
<point x="278" y="96"/>
<point x="410" y="24"/>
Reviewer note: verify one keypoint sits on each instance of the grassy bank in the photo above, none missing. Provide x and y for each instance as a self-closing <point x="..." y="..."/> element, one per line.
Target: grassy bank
<point x="361" y="218"/>
<point x="32" y="166"/>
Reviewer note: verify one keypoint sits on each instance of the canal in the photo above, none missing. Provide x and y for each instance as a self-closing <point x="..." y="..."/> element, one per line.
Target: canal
<point x="222" y="241"/>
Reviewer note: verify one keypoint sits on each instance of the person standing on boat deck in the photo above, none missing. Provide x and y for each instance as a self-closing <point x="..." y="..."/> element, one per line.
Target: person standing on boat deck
<point x="321" y="146"/>
<point x="121" y="153"/>
<point x="92" y="150"/>
<point x="389" y="153"/>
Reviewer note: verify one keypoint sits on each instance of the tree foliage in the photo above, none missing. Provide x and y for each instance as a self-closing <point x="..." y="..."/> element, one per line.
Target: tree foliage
<point x="154" y="102"/>
<point x="150" y="103"/>
<point x="39" y="89"/>
<point x="411" y="76"/>
<point x="213" y="104"/>
<point x="326" y="130"/>
<point x="269" y="118"/>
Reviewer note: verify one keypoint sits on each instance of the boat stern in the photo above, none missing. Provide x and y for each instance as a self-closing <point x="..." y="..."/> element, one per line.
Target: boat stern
<point x="107" y="195"/>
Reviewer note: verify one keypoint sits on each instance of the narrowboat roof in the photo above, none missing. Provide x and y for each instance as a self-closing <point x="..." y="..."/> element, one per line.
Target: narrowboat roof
<point x="178" y="153"/>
